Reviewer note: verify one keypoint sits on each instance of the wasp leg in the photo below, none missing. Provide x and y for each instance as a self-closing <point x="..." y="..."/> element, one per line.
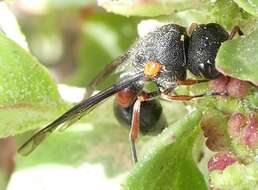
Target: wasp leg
<point x="135" y="126"/>
<point x="187" y="97"/>
<point x="233" y="32"/>
<point x="189" y="82"/>
<point x="191" y="29"/>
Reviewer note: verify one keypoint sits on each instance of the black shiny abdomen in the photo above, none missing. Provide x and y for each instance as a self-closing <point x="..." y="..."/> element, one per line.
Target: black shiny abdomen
<point x="152" y="120"/>
<point x="204" y="44"/>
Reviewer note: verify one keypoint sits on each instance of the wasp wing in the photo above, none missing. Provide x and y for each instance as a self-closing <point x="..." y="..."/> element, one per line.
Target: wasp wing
<point x="75" y="113"/>
<point x="109" y="69"/>
<point x="119" y="65"/>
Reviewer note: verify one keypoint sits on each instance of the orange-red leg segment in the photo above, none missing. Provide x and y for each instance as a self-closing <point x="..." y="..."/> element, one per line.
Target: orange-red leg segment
<point x="233" y="32"/>
<point x="189" y="81"/>
<point x="187" y="97"/>
<point x="135" y="126"/>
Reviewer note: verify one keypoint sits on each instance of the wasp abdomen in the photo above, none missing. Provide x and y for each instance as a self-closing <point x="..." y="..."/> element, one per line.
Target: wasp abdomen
<point x="152" y="120"/>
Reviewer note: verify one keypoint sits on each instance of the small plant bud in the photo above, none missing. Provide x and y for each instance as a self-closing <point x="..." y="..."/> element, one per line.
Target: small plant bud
<point x="214" y="126"/>
<point x="221" y="160"/>
<point x="250" y="133"/>
<point x="219" y="84"/>
<point x="235" y="125"/>
<point x="237" y="88"/>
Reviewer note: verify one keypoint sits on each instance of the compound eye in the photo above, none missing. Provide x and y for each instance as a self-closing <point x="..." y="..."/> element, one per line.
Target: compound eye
<point x="152" y="69"/>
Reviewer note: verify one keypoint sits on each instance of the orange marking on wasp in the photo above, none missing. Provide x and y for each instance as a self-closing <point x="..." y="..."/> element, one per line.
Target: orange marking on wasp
<point x="152" y="69"/>
<point x="143" y="97"/>
<point x="126" y="97"/>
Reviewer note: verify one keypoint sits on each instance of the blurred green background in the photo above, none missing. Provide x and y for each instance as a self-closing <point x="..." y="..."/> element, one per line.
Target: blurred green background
<point x="74" y="40"/>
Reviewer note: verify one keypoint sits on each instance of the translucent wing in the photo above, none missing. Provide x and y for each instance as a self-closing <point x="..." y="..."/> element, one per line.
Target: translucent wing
<point x="114" y="67"/>
<point x="117" y="66"/>
<point x="75" y="113"/>
<point x="74" y="118"/>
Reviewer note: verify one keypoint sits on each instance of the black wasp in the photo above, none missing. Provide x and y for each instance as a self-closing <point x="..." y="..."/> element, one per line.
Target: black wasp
<point x="163" y="57"/>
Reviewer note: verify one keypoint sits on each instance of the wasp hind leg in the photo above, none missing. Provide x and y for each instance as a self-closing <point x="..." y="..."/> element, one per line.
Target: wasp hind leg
<point x="135" y="125"/>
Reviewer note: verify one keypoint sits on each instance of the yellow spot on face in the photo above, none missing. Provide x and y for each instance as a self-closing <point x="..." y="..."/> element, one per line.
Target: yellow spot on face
<point x="152" y="69"/>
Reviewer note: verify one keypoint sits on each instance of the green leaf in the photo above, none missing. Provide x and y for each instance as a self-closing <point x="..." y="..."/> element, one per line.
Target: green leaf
<point x="238" y="58"/>
<point x="147" y="8"/>
<point x="28" y="95"/>
<point x="250" y="6"/>
<point x="226" y="13"/>
<point x="169" y="163"/>
<point x="236" y="176"/>
<point x="187" y="17"/>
